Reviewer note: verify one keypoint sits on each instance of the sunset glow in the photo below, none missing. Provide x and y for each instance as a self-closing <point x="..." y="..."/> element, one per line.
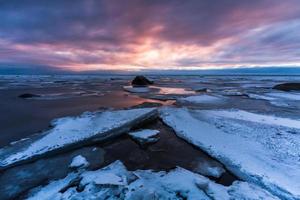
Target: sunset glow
<point x="138" y="35"/>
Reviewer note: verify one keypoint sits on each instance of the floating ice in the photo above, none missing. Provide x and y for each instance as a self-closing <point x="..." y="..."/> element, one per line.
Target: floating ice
<point x="145" y="136"/>
<point x="261" y="149"/>
<point x="204" y="99"/>
<point x="116" y="182"/>
<point x="79" y="161"/>
<point x="70" y="132"/>
<point x="137" y="89"/>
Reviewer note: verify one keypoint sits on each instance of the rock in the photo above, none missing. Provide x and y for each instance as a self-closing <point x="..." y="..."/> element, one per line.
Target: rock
<point x="28" y="95"/>
<point x="202" y="90"/>
<point x="141" y="81"/>
<point x="287" y="86"/>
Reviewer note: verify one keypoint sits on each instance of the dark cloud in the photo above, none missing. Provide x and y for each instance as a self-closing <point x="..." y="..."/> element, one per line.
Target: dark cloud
<point x="95" y="31"/>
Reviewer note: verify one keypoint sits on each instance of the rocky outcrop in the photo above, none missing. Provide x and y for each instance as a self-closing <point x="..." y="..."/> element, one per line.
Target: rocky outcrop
<point x="28" y="95"/>
<point x="287" y="86"/>
<point x="141" y="81"/>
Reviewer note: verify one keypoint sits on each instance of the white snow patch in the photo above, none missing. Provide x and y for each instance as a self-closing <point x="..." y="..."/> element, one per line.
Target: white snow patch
<point x="116" y="182"/>
<point x="285" y="95"/>
<point x="70" y="130"/>
<point x="137" y="89"/>
<point x="209" y="170"/>
<point x="261" y="97"/>
<point x="251" y="146"/>
<point x="253" y="117"/>
<point x="79" y="161"/>
<point x="146" y="135"/>
<point x="205" y="99"/>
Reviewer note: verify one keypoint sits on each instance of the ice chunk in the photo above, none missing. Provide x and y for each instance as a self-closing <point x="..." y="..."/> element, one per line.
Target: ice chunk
<point x="206" y="169"/>
<point x="253" y="117"/>
<point x="261" y="97"/>
<point x="137" y="89"/>
<point x="145" y="136"/>
<point x="79" y="161"/>
<point x="71" y="132"/>
<point x="247" y="144"/>
<point x="205" y="99"/>
<point x="52" y="190"/>
<point x="113" y="182"/>
<point x="285" y="95"/>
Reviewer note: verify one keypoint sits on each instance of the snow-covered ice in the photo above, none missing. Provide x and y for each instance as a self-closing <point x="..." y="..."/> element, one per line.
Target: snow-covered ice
<point x="137" y="89"/>
<point x="71" y="131"/>
<point x="145" y="135"/>
<point x="261" y="149"/>
<point x="207" y="169"/>
<point x="259" y="118"/>
<point x="203" y="99"/>
<point x="285" y="95"/>
<point x="78" y="162"/>
<point x="281" y="99"/>
<point x="116" y="182"/>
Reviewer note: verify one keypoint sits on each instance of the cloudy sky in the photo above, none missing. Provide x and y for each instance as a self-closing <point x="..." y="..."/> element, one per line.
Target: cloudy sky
<point x="85" y="35"/>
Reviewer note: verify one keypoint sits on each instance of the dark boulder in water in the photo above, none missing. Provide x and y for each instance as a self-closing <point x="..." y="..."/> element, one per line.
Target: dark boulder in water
<point x="141" y="81"/>
<point x="28" y="95"/>
<point x="287" y="86"/>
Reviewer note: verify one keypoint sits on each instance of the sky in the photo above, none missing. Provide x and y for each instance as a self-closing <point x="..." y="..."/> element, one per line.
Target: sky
<point x="137" y="35"/>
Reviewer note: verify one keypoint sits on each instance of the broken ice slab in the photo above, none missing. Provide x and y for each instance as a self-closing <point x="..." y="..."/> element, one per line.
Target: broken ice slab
<point x="203" y="99"/>
<point x="72" y="132"/>
<point x="144" y="136"/>
<point x="258" y="148"/>
<point x="116" y="182"/>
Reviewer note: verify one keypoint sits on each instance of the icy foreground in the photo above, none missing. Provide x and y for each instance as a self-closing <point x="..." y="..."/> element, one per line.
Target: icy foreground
<point x="145" y="136"/>
<point x="205" y="99"/>
<point x="71" y="132"/>
<point x="116" y="182"/>
<point x="261" y="149"/>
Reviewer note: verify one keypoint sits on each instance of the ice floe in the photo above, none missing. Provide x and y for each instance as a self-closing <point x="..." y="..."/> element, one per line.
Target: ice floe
<point x="202" y="99"/>
<point x="70" y="132"/>
<point x="137" y="89"/>
<point x="261" y="149"/>
<point x="78" y="162"/>
<point x="116" y="182"/>
<point x="281" y="99"/>
<point x="285" y="95"/>
<point x="208" y="169"/>
<point x="145" y="136"/>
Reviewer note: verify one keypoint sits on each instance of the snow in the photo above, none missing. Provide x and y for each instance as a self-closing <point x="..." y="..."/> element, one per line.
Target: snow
<point x="73" y="130"/>
<point x="51" y="191"/>
<point x="261" y="149"/>
<point x="285" y="95"/>
<point x="145" y="135"/>
<point x="173" y="90"/>
<point x="281" y="99"/>
<point x="209" y="170"/>
<point x="253" y="117"/>
<point x="261" y="97"/>
<point x="136" y="89"/>
<point x="79" y="161"/>
<point x="116" y="182"/>
<point x="232" y="92"/>
<point x="205" y="99"/>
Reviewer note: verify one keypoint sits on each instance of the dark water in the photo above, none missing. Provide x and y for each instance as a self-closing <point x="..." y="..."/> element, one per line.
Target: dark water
<point x="168" y="153"/>
<point x="20" y="118"/>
